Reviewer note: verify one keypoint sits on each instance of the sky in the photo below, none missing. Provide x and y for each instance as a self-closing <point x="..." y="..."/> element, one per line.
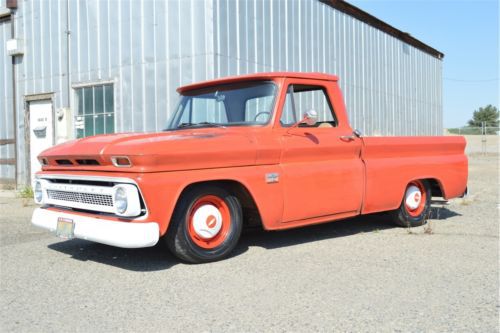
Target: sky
<point x="467" y="32"/>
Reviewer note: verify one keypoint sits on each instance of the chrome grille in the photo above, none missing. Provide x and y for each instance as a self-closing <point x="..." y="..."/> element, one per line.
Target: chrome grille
<point x="84" y="198"/>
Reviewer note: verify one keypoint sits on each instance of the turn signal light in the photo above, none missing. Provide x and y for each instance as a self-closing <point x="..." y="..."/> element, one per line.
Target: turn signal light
<point x="121" y="161"/>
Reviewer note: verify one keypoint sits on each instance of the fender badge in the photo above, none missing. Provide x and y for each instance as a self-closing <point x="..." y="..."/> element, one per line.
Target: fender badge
<point x="272" y="177"/>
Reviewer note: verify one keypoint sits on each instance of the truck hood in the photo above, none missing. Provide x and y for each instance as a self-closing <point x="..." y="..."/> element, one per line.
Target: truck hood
<point x="186" y="149"/>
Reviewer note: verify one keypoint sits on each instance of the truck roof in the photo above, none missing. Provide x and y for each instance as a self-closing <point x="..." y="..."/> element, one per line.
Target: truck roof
<point x="259" y="76"/>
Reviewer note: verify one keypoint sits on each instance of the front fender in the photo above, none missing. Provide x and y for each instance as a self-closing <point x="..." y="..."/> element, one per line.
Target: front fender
<point x="162" y="191"/>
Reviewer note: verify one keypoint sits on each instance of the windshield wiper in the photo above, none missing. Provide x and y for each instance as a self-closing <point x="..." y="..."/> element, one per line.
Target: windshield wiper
<point x="181" y="125"/>
<point x="206" y="123"/>
<point x="201" y="124"/>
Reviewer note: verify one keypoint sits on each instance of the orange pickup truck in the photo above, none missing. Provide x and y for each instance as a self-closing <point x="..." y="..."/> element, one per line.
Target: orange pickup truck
<point x="269" y="149"/>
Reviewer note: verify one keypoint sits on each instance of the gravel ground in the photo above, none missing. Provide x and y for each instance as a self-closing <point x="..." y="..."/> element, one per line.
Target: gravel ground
<point x="356" y="275"/>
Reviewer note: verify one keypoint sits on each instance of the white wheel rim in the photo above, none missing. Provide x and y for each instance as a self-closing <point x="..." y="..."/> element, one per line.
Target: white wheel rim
<point x="207" y="221"/>
<point x="413" y="197"/>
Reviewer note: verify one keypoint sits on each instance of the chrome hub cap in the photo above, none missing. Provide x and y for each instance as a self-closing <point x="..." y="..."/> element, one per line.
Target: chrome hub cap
<point x="207" y="221"/>
<point x="413" y="197"/>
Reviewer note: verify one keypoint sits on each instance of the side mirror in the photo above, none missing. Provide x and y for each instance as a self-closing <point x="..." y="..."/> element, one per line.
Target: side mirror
<point x="310" y="118"/>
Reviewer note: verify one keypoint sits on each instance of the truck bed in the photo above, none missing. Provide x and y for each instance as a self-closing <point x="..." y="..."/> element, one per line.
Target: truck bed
<point x="392" y="162"/>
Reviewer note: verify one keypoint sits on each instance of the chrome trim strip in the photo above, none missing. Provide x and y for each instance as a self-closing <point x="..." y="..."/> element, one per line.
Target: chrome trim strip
<point x="93" y="178"/>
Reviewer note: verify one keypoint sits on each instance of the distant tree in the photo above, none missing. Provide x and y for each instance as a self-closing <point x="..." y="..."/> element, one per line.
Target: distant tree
<point x="488" y="115"/>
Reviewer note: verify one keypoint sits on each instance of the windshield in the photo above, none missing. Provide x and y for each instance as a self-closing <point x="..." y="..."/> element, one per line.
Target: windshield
<point x="241" y="104"/>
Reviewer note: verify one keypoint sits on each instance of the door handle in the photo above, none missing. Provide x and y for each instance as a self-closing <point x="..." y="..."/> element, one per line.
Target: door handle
<point x="347" y="138"/>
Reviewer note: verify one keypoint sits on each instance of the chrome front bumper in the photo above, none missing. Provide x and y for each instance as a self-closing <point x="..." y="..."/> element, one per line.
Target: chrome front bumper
<point x="120" y="234"/>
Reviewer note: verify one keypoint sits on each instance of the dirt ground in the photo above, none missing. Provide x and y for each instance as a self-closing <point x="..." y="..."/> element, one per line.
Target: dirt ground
<point x="356" y="275"/>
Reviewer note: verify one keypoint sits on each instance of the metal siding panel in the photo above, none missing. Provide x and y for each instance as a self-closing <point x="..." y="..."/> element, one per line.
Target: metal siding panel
<point x="184" y="31"/>
<point x="137" y="98"/>
<point x="149" y="103"/>
<point x="45" y="43"/>
<point x="251" y="37"/>
<point x="30" y="57"/>
<point x="198" y="41"/>
<point x="126" y="93"/>
<point x="242" y="24"/>
<point x="38" y="45"/>
<point x="103" y="56"/>
<point x="75" y="37"/>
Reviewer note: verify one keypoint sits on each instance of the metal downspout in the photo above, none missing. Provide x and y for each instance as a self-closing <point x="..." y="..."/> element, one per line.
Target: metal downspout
<point x="68" y="54"/>
<point x="14" y="99"/>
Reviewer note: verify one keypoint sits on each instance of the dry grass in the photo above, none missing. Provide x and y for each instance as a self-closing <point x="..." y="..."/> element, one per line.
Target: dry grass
<point x="25" y="192"/>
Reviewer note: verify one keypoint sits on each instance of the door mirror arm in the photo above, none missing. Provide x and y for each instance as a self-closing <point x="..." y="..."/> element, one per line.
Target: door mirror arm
<point x="310" y="118"/>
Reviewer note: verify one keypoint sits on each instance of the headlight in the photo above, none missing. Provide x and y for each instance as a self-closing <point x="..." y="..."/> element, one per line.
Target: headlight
<point x="121" y="200"/>
<point x="38" y="192"/>
<point x="126" y="200"/>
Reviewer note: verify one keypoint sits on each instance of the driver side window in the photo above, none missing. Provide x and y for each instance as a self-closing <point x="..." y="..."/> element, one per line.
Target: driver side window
<point x="302" y="98"/>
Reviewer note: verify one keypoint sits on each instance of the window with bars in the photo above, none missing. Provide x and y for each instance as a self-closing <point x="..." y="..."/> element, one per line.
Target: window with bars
<point x="95" y="112"/>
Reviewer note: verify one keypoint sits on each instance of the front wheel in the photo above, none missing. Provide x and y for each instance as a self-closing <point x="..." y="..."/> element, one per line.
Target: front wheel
<point x="415" y="206"/>
<point x="206" y="224"/>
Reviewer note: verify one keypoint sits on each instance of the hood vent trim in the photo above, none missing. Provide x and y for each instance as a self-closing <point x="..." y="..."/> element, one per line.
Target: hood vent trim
<point x="64" y="162"/>
<point x="87" y="162"/>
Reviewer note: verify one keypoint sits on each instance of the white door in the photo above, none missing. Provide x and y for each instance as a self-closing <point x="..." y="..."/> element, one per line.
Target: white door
<point x="41" y="131"/>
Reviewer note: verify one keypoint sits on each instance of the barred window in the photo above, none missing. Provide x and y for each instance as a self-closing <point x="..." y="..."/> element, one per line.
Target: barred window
<point x="95" y="112"/>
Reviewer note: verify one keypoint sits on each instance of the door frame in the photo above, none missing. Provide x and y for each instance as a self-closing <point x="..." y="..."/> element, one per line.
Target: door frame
<point x="342" y="128"/>
<point x="27" y="152"/>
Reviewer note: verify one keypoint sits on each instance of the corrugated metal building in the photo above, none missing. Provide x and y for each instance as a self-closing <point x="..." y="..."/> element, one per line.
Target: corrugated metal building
<point x="76" y="68"/>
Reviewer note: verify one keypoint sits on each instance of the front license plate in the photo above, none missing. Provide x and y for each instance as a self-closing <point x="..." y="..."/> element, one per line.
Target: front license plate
<point x="65" y="228"/>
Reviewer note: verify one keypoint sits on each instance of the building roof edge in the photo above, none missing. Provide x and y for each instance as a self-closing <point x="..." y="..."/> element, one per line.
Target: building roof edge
<point x="371" y="20"/>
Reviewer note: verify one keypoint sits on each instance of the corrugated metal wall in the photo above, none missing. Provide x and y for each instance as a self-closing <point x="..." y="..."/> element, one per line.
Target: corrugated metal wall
<point x="390" y="87"/>
<point x="146" y="48"/>
<point x="149" y="47"/>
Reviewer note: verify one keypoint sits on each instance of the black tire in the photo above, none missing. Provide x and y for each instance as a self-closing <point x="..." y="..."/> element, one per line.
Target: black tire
<point x="183" y="242"/>
<point x="404" y="217"/>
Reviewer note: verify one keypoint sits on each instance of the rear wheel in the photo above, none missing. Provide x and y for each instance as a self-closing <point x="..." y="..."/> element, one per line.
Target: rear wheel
<point x="206" y="224"/>
<point x="415" y="206"/>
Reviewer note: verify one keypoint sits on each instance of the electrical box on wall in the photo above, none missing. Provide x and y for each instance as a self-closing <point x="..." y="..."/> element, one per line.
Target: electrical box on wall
<point x="15" y="47"/>
<point x="64" y="125"/>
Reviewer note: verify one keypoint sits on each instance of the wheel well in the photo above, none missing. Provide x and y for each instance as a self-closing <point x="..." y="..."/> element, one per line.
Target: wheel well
<point x="251" y="215"/>
<point x="436" y="190"/>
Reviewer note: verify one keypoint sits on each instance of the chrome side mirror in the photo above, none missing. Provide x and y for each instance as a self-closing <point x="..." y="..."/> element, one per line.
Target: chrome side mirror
<point x="310" y="118"/>
<point x="357" y="132"/>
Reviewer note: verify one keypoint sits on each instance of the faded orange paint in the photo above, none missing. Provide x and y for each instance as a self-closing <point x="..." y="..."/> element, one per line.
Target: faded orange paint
<point x="322" y="176"/>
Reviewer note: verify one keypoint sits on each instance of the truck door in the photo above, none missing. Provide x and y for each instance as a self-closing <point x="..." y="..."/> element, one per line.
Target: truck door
<point x="323" y="174"/>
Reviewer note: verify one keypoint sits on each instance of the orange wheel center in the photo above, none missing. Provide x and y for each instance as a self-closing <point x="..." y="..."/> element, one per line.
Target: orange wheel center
<point x="211" y="221"/>
<point x="415" y="198"/>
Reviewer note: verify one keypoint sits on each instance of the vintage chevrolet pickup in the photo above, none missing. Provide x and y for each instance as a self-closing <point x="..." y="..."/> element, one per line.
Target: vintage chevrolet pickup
<point x="269" y="149"/>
